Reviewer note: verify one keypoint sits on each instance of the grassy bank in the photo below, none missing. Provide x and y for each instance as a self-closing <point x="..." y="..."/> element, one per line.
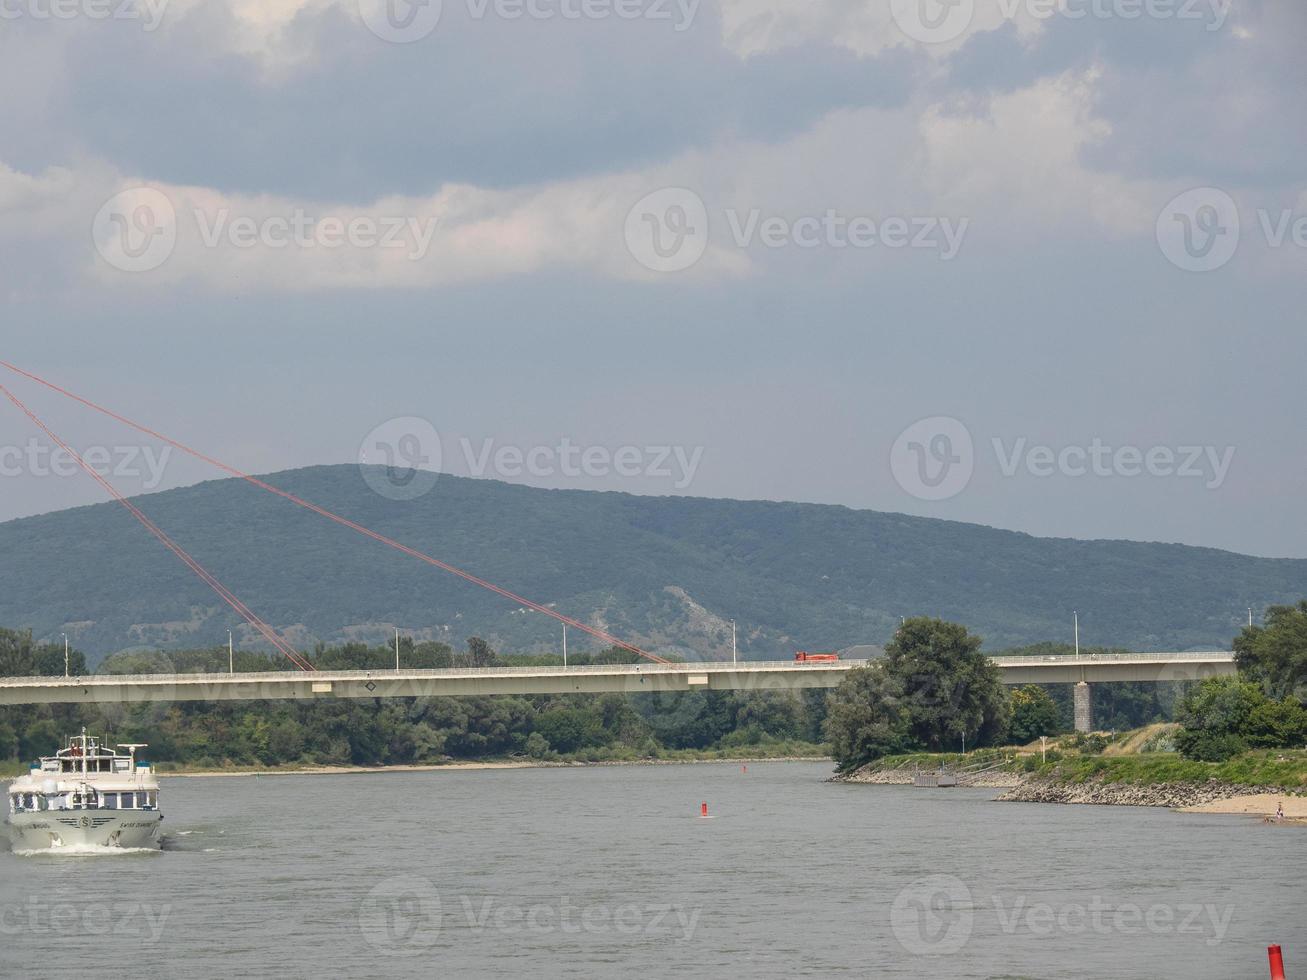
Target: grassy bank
<point x="1286" y="768"/>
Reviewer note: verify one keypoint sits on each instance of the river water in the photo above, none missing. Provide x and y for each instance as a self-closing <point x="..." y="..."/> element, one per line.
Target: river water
<point x="611" y="872"/>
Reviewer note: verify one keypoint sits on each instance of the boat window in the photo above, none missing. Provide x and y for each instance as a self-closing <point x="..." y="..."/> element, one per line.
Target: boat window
<point x="128" y="801"/>
<point x="110" y="801"/>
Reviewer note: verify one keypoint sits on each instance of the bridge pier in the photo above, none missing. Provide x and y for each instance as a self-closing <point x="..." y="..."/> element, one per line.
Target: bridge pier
<point x="1084" y="707"/>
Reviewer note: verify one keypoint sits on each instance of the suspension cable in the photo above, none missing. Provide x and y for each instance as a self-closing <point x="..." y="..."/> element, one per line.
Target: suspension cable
<point x="168" y="542"/>
<point x="344" y="521"/>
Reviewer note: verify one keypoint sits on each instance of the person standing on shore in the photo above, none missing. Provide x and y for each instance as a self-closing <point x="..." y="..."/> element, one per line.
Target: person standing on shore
<point x="1279" y="811"/>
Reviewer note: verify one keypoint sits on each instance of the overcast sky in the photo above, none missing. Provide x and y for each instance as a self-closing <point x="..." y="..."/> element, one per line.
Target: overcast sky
<point x="982" y="262"/>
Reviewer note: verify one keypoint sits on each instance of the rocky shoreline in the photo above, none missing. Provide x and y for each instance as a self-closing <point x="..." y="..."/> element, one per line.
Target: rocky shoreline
<point x="1022" y="788"/>
<point x="1097" y="792"/>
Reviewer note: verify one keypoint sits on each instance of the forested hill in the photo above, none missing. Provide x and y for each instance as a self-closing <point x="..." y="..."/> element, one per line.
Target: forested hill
<point x="670" y="572"/>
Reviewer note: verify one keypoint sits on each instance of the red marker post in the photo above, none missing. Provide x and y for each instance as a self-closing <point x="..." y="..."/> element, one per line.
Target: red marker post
<point x="1277" y="962"/>
<point x="703" y="812"/>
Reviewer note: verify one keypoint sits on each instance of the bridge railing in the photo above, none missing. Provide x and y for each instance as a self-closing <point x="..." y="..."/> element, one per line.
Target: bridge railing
<point x="1190" y="656"/>
<point x="750" y="666"/>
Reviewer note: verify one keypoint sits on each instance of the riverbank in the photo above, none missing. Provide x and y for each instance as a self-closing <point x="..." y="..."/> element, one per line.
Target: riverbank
<point x="1254" y="783"/>
<point x="1213" y="796"/>
<point x="307" y="770"/>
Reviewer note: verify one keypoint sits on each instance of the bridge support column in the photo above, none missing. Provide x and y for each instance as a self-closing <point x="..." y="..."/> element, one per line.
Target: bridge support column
<point x="1084" y="708"/>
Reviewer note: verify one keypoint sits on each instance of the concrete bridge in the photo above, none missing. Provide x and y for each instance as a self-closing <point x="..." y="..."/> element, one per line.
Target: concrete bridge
<point x="600" y="679"/>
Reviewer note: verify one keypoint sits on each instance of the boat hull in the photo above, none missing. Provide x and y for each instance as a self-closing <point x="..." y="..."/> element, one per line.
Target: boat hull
<point x="53" y="830"/>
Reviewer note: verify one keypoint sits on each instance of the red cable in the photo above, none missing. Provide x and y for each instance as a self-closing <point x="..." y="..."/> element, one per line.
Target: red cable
<point x="171" y="545"/>
<point x="390" y="542"/>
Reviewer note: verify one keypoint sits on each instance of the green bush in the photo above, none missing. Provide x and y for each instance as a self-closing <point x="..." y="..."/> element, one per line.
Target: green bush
<point x="1209" y="746"/>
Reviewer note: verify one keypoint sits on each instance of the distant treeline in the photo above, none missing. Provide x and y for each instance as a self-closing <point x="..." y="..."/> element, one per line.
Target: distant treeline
<point x="396" y="731"/>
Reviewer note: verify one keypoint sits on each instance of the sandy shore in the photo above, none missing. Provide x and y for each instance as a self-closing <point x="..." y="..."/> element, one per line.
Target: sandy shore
<point x="1260" y="804"/>
<point x="465" y="766"/>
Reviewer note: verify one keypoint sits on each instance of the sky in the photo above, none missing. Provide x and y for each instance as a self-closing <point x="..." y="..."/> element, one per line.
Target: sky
<point x="1027" y="264"/>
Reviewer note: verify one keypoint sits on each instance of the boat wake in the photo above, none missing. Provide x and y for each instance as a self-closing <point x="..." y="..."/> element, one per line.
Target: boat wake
<point x="83" y="850"/>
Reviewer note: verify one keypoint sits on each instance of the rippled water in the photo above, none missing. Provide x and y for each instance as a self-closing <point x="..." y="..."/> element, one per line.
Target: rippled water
<point x="608" y="872"/>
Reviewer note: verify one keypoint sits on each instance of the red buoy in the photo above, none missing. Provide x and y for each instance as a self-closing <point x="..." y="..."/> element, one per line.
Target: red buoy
<point x="1277" y="962"/>
<point x="744" y="768"/>
<point x="703" y="812"/>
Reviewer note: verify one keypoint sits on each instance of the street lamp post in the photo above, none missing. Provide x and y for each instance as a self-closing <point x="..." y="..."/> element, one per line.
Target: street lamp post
<point x="1076" y="617"/>
<point x="564" y="646"/>
<point x="231" y="654"/>
<point x="397" y="649"/>
<point x="733" y="654"/>
<point x="67" y="671"/>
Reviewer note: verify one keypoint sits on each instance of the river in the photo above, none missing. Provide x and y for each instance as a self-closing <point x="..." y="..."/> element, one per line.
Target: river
<point x="611" y="872"/>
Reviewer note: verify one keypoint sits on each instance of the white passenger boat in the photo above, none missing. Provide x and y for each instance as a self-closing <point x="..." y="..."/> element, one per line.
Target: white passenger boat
<point x="86" y="796"/>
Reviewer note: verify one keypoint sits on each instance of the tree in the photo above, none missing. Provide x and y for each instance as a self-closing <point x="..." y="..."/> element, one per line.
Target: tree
<point x="479" y="653"/>
<point x="1215" y="718"/>
<point x="865" y="717"/>
<point x="1275" y="655"/>
<point x="951" y="691"/>
<point x="1034" y="713"/>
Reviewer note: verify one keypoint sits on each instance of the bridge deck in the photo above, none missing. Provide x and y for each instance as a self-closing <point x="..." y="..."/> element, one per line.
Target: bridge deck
<point x="594" y="679"/>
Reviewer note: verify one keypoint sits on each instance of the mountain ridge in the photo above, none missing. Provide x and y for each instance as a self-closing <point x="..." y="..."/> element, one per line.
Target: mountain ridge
<point x="666" y="571"/>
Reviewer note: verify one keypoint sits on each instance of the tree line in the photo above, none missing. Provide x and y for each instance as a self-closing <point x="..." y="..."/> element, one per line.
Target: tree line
<point x="397" y="731"/>
<point x="932" y="691"/>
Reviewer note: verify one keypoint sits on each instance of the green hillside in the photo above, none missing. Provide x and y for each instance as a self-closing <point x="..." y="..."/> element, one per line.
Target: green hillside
<point x="665" y="571"/>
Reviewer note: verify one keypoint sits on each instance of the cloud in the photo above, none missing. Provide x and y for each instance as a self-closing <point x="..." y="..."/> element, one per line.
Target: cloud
<point x="1012" y="164"/>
